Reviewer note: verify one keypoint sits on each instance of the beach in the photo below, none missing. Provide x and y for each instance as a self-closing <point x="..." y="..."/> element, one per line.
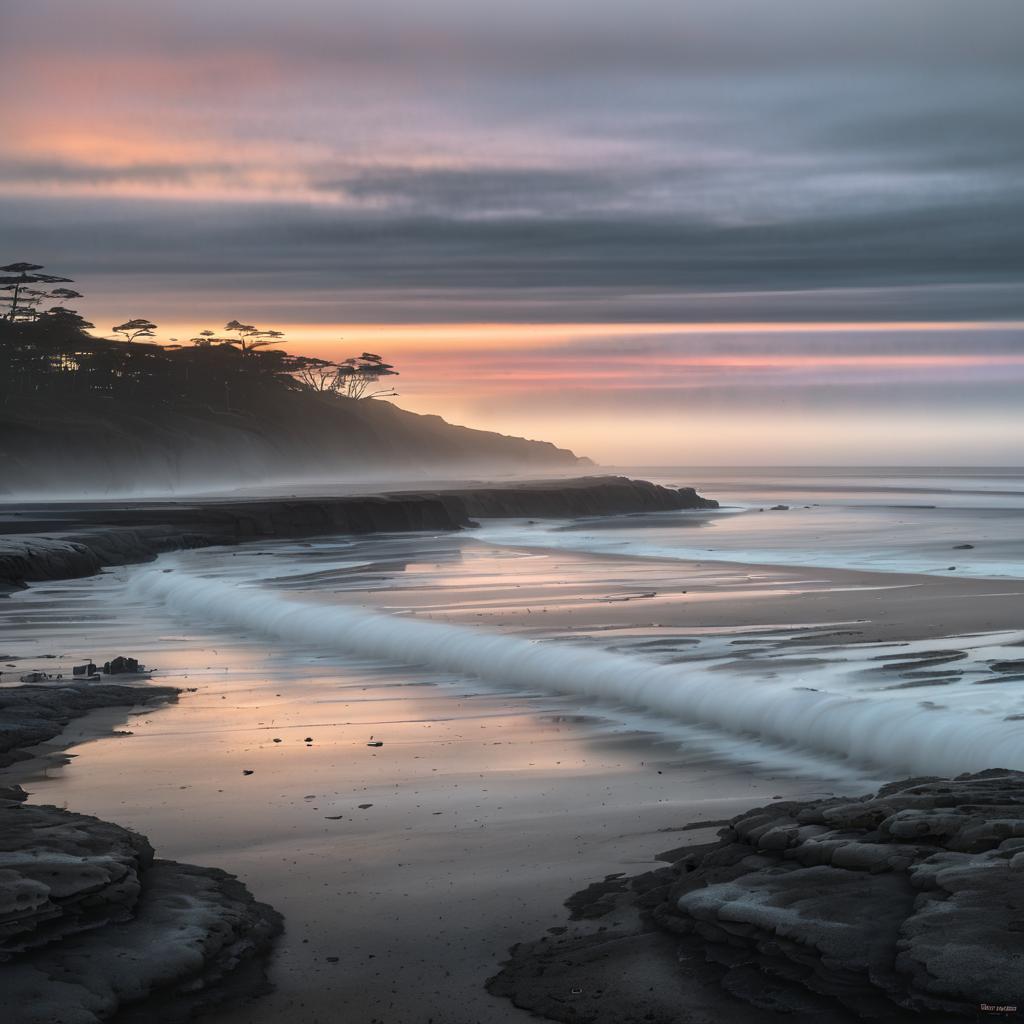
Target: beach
<point x="529" y="716"/>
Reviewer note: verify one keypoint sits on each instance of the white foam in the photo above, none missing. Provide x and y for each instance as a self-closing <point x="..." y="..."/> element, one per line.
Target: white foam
<point x="898" y="736"/>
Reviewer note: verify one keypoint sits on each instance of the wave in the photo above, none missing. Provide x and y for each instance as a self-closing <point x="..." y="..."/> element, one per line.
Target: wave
<point x="895" y="735"/>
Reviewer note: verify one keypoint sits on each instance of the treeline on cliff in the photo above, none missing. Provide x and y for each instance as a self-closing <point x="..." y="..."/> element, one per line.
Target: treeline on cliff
<point x="81" y="414"/>
<point x="47" y="352"/>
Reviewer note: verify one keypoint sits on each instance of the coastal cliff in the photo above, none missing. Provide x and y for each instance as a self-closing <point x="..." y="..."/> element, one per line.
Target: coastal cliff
<point x="102" y="445"/>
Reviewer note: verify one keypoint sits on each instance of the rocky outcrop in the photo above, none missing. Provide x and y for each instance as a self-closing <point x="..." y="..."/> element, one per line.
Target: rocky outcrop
<point x="43" y="541"/>
<point x="589" y="496"/>
<point x="34" y="714"/>
<point x="92" y="924"/>
<point x="904" y="905"/>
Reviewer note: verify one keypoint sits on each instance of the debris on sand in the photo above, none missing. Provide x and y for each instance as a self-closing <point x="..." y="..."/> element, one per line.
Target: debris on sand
<point x="35" y="677"/>
<point x="121" y="665"/>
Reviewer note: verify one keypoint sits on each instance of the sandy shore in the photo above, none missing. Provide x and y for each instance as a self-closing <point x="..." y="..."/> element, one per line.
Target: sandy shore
<point x="570" y="592"/>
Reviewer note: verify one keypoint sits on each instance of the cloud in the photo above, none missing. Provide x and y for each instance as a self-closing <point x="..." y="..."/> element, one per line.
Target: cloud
<point x="727" y="160"/>
<point x="933" y="261"/>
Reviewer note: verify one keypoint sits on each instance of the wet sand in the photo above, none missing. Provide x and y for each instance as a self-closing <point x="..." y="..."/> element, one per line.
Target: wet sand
<point x="485" y="812"/>
<point x="541" y="589"/>
<point x="487" y="809"/>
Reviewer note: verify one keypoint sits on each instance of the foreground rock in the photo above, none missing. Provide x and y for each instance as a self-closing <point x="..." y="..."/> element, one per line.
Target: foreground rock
<point x="34" y="714"/>
<point x="91" y="924"/>
<point x="905" y="905"/>
<point x="46" y="541"/>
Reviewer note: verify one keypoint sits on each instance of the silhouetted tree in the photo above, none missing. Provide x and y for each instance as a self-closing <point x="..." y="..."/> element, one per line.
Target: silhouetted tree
<point x="33" y="298"/>
<point x="133" y="329"/>
<point x="360" y="373"/>
<point x="58" y="318"/>
<point x="250" y="337"/>
<point x="46" y="352"/>
<point x="319" y="375"/>
<point x="25" y="274"/>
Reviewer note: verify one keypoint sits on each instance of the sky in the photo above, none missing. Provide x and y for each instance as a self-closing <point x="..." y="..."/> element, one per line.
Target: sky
<point x="657" y="231"/>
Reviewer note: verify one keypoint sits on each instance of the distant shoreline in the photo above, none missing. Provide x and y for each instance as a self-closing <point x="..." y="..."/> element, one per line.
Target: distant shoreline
<point x="49" y="541"/>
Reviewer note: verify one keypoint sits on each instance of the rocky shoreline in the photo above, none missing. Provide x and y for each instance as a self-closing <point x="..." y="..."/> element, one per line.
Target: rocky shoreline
<point x="906" y="905"/>
<point x="32" y="714"/>
<point x="47" y="541"/>
<point x="92" y="924"/>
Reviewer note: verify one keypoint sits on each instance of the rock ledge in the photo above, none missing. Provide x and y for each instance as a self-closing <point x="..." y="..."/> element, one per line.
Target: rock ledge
<point x="907" y="904"/>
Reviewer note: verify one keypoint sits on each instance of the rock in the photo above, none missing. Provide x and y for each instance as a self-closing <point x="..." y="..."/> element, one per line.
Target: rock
<point x="865" y="911"/>
<point x="99" y="534"/>
<point x="1007" y="666"/>
<point x="33" y="714"/>
<point x="92" y="925"/>
<point x="779" y="508"/>
<point x="904" y="905"/>
<point x="120" y="665"/>
<point x="61" y="874"/>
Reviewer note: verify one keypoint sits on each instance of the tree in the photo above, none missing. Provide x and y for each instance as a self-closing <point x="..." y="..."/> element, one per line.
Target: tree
<point x="317" y="374"/>
<point x="133" y="329"/>
<point x="32" y="298"/>
<point x="65" y="319"/>
<point x="360" y="373"/>
<point x="251" y="337"/>
<point x="26" y="274"/>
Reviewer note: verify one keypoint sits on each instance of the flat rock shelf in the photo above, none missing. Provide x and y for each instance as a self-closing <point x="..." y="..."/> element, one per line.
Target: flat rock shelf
<point x="45" y="541"/>
<point x="906" y="905"/>
<point x="92" y="923"/>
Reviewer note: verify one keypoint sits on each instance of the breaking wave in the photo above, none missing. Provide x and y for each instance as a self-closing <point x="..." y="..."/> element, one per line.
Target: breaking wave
<point x="898" y="735"/>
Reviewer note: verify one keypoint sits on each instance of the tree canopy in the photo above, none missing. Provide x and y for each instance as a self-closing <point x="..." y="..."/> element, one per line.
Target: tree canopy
<point x="46" y="351"/>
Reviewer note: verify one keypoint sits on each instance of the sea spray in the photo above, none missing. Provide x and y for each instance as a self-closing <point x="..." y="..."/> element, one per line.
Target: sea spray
<point x="898" y="736"/>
